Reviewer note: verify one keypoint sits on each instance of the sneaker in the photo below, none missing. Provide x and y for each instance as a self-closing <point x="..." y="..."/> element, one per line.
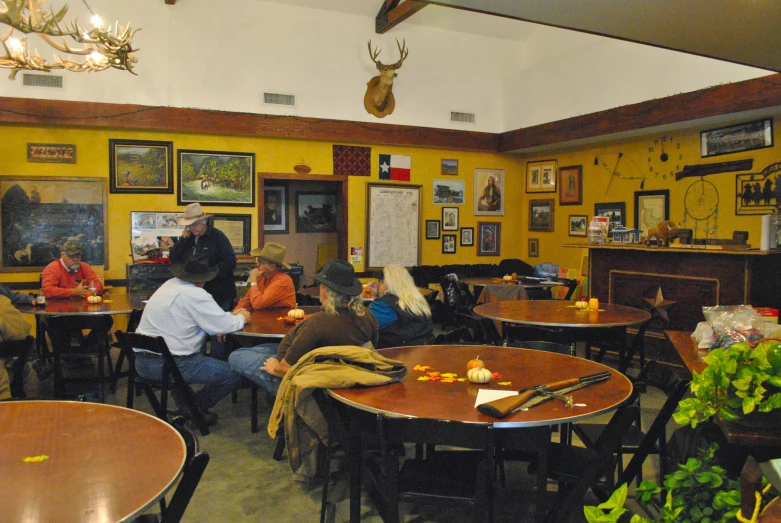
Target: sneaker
<point x="42" y="370"/>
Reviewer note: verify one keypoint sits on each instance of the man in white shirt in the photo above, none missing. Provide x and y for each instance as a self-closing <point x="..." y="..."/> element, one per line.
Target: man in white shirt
<point x="183" y="313"/>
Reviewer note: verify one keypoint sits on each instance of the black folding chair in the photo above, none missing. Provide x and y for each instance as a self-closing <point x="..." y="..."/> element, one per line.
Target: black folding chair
<point x="18" y="349"/>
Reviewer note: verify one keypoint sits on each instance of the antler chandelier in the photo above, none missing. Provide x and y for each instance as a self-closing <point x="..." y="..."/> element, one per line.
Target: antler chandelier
<point x="100" y="47"/>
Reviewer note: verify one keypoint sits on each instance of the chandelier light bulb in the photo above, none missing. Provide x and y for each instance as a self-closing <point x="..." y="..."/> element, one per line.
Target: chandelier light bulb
<point x="96" y="21"/>
<point x="97" y="58"/>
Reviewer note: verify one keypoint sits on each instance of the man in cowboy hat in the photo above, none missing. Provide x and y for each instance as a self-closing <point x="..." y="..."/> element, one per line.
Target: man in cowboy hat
<point x="343" y="321"/>
<point x="198" y="239"/>
<point x="270" y="286"/>
<point x="183" y="313"/>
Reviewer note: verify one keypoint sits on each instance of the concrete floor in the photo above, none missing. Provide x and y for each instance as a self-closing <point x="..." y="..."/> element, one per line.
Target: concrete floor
<point x="244" y="483"/>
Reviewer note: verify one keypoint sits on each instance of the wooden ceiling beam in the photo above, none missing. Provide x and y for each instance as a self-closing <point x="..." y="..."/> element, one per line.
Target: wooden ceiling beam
<point x="170" y="2"/>
<point x="393" y="12"/>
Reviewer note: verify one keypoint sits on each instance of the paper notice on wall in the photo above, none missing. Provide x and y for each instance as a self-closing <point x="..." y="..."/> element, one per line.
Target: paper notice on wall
<point x="356" y="255"/>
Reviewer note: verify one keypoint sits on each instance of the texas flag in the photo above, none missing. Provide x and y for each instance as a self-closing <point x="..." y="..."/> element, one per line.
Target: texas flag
<point x="395" y="167"/>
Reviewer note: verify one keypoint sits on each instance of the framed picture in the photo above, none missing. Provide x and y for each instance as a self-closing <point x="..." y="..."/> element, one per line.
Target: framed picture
<point x="541" y="176"/>
<point x="578" y="225"/>
<point x="489" y="187"/>
<point x="40" y="213"/>
<point x="541" y="215"/>
<point x="237" y="228"/>
<point x="449" y="167"/>
<point x="467" y="236"/>
<point x="432" y="229"/>
<point x="571" y="185"/>
<point x="216" y="178"/>
<point x="315" y="212"/>
<point x="534" y="247"/>
<point x="448" y="244"/>
<point x="449" y="218"/>
<point x="152" y="234"/>
<point x="651" y="208"/>
<point x="275" y="209"/>
<point x="51" y="152"/>
<point x="737" y="138"/>
<point x="141" y="166"/>
<point x="489" y="235"/>
<point x="449" y="192"/>
<point x="615" y="212"/>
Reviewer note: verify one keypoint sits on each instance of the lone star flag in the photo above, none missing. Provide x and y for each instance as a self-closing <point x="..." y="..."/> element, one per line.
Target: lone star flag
<point x="395" y="167"/>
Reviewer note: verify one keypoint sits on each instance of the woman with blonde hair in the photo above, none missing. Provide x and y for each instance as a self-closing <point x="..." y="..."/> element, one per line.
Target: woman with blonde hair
<point x="401" y="310"/>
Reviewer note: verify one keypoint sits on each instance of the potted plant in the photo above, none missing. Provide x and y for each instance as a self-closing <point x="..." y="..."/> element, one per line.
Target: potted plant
<point x="739" y="380"/>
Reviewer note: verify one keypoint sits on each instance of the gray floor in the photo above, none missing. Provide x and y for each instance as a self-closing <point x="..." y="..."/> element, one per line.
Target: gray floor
<point x="244" y="483"/>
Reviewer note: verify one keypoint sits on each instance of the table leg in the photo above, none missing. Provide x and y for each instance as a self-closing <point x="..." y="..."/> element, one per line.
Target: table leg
<point x="355" y="474"/>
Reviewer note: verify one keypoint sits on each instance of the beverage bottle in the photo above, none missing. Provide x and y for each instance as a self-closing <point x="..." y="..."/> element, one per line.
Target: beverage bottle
<point x="40" y="299"/>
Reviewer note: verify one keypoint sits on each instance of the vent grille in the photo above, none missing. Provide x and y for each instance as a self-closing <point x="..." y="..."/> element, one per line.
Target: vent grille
<point x="456" y="116"/>
<point x="42" y="80"/>
<point x="279" y="99"/>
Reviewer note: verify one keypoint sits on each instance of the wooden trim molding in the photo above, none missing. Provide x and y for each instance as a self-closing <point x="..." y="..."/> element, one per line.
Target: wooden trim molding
<point x="29" y="111"/>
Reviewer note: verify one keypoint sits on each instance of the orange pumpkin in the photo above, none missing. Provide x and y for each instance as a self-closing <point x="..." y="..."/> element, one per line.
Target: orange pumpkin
<point x="471" y="364"/>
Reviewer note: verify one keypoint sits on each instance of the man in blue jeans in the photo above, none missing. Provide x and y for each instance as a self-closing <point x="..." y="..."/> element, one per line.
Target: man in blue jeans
<point x="183" y="313"/>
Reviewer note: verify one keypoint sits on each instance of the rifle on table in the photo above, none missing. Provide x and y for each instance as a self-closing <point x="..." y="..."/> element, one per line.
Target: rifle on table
<point x="531" y="396"/>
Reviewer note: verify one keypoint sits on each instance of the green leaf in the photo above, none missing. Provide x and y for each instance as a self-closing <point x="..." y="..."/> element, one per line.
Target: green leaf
<point x="748" y="405"/>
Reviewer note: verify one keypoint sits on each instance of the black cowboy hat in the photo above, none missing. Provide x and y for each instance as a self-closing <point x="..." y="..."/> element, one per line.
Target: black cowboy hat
<point x="339" y="276"/>
<point x="195" y="270"/>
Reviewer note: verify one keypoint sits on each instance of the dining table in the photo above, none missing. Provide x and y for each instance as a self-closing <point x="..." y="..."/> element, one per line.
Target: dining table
<point x="83" y="462"/>
<point x="314" y="293"/>
<point x="425" y="393"/>
<point x="526" y="283"/>
<point x="270" y="323"/>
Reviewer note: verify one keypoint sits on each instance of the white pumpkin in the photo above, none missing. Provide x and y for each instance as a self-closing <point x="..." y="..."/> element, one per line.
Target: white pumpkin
<point x="478" y="374"/>
<point x="296" y="313"/>
<point x="581" y="304"/>
<point x="507" y="277"/>
<point x="94" y="299"/>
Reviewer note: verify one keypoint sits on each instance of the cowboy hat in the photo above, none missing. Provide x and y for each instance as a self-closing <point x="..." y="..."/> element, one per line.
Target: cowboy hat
<point x="192" y="213"/>
<point x="340" y="276"/>
<point x="273" y="252"/>
<point x="195" y="269"/>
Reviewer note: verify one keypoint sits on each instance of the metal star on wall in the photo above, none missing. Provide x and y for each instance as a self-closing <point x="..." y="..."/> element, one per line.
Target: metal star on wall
<point x="659" y="305"/>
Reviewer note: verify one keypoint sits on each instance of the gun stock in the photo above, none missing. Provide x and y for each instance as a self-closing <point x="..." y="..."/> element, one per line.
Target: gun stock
<point x="504" y="406"/>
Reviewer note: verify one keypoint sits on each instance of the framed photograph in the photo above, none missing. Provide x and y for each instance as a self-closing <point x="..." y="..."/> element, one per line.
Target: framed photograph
<point x="578" y="225"/>
<point x="237" y="228"/>
<point x="141" y="166"/>
<point x="467" y="236"/>
<point x="489" y="187"/>
<point x="541" y="176"/>
<point x="737" y="138"/>
<point x="651" y="208"/>
<point x="152" y="234"/>
<point x="432" y="229"/>
<point x="541" y="215"/>
<point x="571" y="185"/>
<point x="216" y="178"/>
<point x="449" y="167"/>
<point x="40" y="213"/>
<point x="449" y="192"/>
<point x="448" y="244"/>
<point x="615" y="212"/>
<point x="315" y="212"/>
<point x="534" y="247"/>
<point x="449" y="218"/>
<point x="275" y="209"/>
<point x="51" y="152"/>
<point x="489" y="235"/>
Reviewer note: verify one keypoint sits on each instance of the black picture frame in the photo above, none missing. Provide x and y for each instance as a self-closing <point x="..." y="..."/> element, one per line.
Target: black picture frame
<point x="467" y="236"/>
<point x="449" y="218"/>
<point x="316" y="212"/>
<point x="651" y="208"/>
<point x="448" y="244"/>
<point x="216" y="178"/>
<point x="489" y="238"/>
<point x="534" y="247"/>
<point x="737" y="138"/>
<point x="432" y="229"/>
<point x="237" y="228"/>
<point x="141" y="167"/>
<point x="275" y="223"/>
<point x="614" y="211"/>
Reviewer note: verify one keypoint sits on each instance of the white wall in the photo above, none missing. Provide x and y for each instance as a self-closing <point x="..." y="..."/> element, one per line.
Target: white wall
<point x="224" y="55"/>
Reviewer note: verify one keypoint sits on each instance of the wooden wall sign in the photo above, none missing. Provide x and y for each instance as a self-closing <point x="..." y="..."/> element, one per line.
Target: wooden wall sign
<point x="51" y="152"/>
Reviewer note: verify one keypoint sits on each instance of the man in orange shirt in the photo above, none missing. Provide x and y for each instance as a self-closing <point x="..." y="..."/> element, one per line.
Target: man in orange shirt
<point x="270" y="286"/>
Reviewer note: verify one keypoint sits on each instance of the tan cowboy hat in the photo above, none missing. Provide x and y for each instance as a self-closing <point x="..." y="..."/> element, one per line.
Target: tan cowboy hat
<point x="273" y="252"/>
<point x="196" y="269"/>
<point x="192" y="213"/>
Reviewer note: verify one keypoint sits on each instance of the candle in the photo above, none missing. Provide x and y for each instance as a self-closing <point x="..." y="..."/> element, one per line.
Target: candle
<point x="593" y="304"/>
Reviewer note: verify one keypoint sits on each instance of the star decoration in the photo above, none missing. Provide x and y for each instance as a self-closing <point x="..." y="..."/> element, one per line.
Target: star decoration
<point x="384" y="167"/>
<point x="660" y="305"/>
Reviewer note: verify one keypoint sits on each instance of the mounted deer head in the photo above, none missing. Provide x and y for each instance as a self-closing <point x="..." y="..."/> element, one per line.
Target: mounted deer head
<point x="379" y="99"/>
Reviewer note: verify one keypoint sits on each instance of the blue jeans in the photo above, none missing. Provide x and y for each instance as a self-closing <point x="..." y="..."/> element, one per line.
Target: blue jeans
<point x="216" y="376"/>
<point x="248" y="362"/>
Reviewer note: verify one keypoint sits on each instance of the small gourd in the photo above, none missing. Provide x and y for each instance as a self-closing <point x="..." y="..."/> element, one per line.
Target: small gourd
<point x="507" y="277"/>
<point x="296" y="313"/>
<point x="581" y="304"/>
<point x="471" y="364"/>
<point x="479" y="374"/>
<point x="94" y="299"/>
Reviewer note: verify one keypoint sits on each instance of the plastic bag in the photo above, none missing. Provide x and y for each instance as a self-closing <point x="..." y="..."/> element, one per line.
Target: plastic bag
<point x="546" y="270"/>
<point x="733" y="324"/>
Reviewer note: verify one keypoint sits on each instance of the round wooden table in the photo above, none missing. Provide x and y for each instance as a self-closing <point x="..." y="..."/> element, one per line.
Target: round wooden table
<point x="559" y="313"/>
<point x="83" y="462"/>
<point x="525" y="283"/>
<point x="265" y="323"/>
<point x="314" y="292"/>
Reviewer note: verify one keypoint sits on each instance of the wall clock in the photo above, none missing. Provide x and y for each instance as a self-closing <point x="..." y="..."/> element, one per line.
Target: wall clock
<point x="665" y="157"/>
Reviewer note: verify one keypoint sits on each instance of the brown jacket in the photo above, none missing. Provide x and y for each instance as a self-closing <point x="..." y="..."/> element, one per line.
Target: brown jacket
<point x="13" y="326"/>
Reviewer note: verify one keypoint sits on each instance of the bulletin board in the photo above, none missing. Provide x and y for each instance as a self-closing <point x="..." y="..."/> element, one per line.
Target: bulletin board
<point x="392" y="225"/>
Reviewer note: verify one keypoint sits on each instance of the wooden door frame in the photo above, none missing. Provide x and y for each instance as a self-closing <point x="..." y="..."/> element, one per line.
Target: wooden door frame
<point x="341" y="180"/>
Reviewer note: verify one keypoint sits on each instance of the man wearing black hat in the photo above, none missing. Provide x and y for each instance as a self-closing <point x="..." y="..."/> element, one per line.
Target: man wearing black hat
<point x="343" y="321"/>
<point x="183" y="313"/>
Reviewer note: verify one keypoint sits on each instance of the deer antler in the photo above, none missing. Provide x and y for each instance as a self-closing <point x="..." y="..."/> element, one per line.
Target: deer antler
<point x="375" y="53"/>
<point x="403" y="51"/>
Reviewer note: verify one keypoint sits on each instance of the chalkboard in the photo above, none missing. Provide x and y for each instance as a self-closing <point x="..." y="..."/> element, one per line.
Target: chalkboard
<point x="392" y="225"/>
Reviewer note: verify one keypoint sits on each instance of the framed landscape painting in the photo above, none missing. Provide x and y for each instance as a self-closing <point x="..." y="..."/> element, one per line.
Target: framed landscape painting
<point x="541" y="215"/>
<point x="315" y="212"/>
<point x="216" y="178"/>
<point x="141" y="166"/>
